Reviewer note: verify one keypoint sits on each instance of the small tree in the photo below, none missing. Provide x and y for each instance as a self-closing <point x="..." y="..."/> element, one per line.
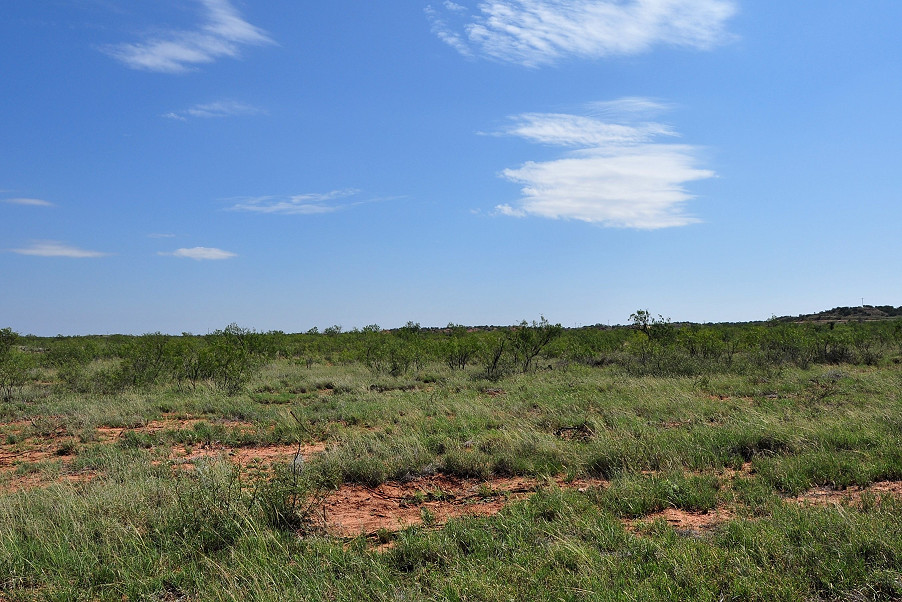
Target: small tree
<point x="14" y="369"/>
<point x="14" y="365"/>
<point x="146" y="360"/>
<point x="656" y="329"/>
<point x="8" y="338"/>
<point x="459" y="348"/>
<point x="228" y="360"/>
<point x="492" y="353"/>
<point x="527" y="340"/>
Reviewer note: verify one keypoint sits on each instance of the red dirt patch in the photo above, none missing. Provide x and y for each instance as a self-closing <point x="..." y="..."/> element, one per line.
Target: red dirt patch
<point x="10" y="459"/>
<point x="264" y="455"/>
<point x="52" y="445"/>
<point x="684" y="521"/>
<point x="827" y="496"/>
<point x="156" y="426"/>
<point x="257" y="457"/>
<point x="33" y="480"/>
<point x="392" y="506"/>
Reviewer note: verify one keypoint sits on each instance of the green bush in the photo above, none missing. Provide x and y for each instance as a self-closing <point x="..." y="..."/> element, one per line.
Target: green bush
<point x="15" y="368"/>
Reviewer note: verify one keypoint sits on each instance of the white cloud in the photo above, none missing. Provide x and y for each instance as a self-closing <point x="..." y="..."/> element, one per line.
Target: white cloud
<point x="160" y="235"/>
<point x="628" y="107"/>
<point x="54" y="248"/>
<point x="222" y="108"/>
<point x="506" y="209"/>
<point x="202" y="253"/>
<point x="29" y="202"/>
<point x="221" y="34"/>
<point x="580" y="131"/>
<point x="617" y="175"/>
<point x="300" y="204"/>
<point x="445" y="32"/>
<point x="537" y="32"/>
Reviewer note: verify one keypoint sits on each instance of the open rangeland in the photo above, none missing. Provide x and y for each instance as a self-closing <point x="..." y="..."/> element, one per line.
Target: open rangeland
<point x="750" y="462"/>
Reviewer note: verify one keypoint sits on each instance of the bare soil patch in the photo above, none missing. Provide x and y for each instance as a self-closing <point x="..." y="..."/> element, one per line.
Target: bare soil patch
<point x="827" y="496"/>
<point x="10" y="458"/>
<point x="683" y="521"/>
<point x="256" y="456"/>
<point x="167" y="424"/>
<point x="357" y="509"/>
<point x="59" y="445"/>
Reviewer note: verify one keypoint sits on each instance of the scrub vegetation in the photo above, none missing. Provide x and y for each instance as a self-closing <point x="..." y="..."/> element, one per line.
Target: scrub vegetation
<point x="655" y="461"/>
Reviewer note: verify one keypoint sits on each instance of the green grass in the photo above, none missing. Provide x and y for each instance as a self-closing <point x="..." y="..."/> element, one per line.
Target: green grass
<point x="143" y="531"/>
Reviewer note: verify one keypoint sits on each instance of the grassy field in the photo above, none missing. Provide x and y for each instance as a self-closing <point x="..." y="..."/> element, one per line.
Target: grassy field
<point x="659" y="462"/>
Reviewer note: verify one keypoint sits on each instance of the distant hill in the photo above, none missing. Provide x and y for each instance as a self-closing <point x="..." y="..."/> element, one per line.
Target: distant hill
<point x="845" y="314"/>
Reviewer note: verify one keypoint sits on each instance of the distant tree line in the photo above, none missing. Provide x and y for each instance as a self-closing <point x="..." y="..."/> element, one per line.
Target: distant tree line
<point x="225" y="360"/>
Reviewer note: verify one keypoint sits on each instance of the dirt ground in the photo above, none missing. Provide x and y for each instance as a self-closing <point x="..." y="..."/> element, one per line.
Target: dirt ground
<point x="357" y="509"/>
<point x="25" y="454"/>
<point x="688" y="523"/>
<point x="852" y="496"/>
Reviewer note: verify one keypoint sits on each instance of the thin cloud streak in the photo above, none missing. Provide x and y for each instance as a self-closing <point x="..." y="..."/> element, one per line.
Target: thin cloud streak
<point x="300" y="204"/>
<point x="218" y="109"/>
<point x="28" y="202"/>
<point x="444" y="32"/>
<point x="618" y="175"/>
<point x="541" y="32"/>
<point x="221" y="34"/>
<point x="559" y="129"/>
<point x="201" y="254"/>
<point x="55" y="248"/>
<point x="628" y="108"/>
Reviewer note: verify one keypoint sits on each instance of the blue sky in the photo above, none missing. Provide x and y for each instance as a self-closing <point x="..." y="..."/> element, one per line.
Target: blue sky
<point x="180" y="165"/>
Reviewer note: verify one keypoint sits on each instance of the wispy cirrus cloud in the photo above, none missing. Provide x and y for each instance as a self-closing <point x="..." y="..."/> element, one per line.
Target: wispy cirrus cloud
<point x="301" y="204"/>
<point x="28" y="202"/>
<point x="540" y="32"/>
<point x="201" y="254"/>
<point x="616" y="174"/>
<point x="444" y="31"/>
<point x="55" y="248"/>
<point x="222" y="33"/>
<point x="561" y="129"/>
<point x="212" y="110"/>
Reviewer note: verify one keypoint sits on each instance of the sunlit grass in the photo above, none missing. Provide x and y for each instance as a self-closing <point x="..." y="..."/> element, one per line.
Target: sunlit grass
<point x="143" y="527"/>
